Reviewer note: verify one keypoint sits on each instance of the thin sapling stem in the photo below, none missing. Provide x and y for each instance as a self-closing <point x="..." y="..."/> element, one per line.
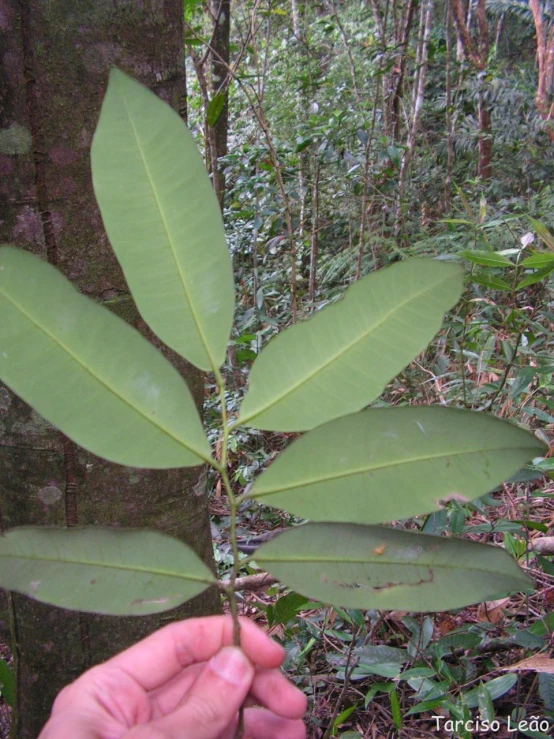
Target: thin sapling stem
<point x="233" y="506"/>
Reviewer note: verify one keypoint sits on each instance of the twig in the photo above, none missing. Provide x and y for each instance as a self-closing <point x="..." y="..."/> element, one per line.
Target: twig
<point x="249" y="582"/>
<point x="542" y="545"/>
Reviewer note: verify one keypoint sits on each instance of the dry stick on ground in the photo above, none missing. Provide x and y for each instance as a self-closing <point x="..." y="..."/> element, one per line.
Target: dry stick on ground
<point x="543" y="545"/>
<point x="251" y="582"/>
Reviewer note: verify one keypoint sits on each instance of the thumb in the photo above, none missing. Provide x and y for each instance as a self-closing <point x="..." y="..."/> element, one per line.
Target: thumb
<point x="212" y="703"/>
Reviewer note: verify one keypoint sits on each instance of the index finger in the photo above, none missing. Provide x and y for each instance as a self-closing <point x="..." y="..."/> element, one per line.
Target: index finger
<point x="162" y="655"/>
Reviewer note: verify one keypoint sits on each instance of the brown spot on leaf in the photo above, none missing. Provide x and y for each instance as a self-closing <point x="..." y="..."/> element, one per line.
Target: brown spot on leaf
<point x="388" y="585"/>
<point x="146" y="601"/>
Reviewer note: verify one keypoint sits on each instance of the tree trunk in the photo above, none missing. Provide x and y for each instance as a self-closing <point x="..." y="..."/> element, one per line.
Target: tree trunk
<point x="314" y="238"/>
<point x="544" y="99"/>
<point x="302" y="103"/>
<point x="398" y="86"/>
<point x="476" y="51"/>
<point x="56" y="58"/>
<point x="221" y="13"/>
<point x="484" y="162"/>
<point x="449" y="114"/>
<point x="422" y="55"/>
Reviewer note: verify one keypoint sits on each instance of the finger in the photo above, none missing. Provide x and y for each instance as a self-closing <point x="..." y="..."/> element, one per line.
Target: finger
<point x="258" y="724"/>
<point x="212" y="703"/>
<point x="68" y="727"/>
<point x="107" y="693"/>
<point x="272" y="690"/>
<point x="262" y="724"/>
<point x="166" y="699"/>
<point x="161" y="656"/>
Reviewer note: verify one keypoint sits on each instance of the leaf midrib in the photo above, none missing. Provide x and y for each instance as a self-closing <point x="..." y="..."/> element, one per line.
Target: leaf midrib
<point x="107" y="566"/>
<point x="100" y="380"/>
<point x="365" y="469"/>
<point x="172" y="247"/>
<point x="380" y="560"/>
<point x="397" y="307"/>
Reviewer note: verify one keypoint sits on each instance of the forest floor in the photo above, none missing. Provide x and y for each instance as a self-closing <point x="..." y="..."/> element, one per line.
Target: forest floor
<point x="498" y="636"/>
<point x="374" y="701"/>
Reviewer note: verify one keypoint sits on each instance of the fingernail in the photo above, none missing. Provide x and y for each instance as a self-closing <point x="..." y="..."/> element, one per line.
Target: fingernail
<point x="231" y="664"/>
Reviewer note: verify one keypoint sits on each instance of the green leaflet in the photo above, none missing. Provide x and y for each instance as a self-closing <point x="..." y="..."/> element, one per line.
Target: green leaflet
<point x="495" y="283"/>
<point x="341" y="359"/>
<point x="486" y="258"/>
<point x="99" y="570"/>
<point x="496" y="688"/>
<point x="163" y="221"/>
<point x="215" y="106"/>
<point x="543" y="233"/>
<point x="384" y="464"/>
<point x="89" y="373"/>
<point x="376" y="567"/>
<point x="538" y="260"/>
<point x="7" y="683"/>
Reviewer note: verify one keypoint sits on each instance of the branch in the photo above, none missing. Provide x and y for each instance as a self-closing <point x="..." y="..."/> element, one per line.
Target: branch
<point x="250" y="582"/>
<point x="542" y="545"/>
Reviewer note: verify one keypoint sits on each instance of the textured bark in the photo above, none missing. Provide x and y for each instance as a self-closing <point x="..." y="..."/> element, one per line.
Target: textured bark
<point x="469" y="49"/>
<point x="55" y="58"/>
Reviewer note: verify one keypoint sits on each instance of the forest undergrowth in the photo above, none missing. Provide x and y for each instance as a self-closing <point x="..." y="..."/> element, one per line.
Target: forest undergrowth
<point x="371" y="674"/>
<point x="343" y="137"/>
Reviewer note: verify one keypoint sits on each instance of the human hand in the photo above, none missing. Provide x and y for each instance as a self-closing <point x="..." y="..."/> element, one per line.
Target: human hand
<point x="185" y="681"/>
